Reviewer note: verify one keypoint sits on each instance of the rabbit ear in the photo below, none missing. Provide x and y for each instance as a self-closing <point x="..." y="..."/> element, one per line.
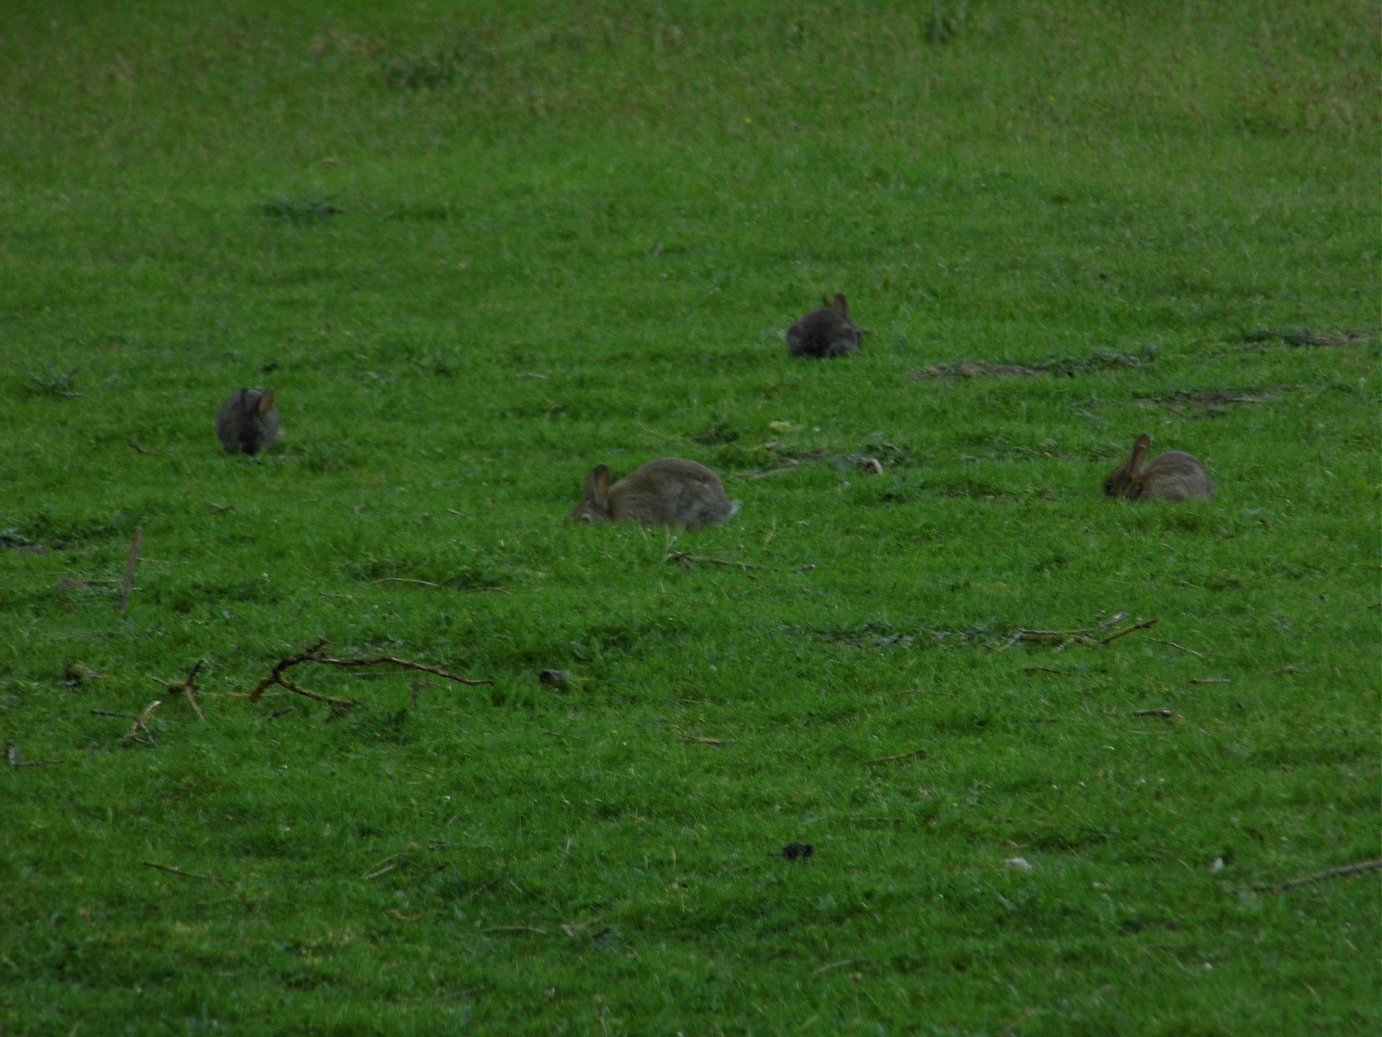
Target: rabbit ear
<point x="266" y="401"/>
<point x="597" y="485"/>
<point x="841" y="305"/>
<point x="1139" y="453"/>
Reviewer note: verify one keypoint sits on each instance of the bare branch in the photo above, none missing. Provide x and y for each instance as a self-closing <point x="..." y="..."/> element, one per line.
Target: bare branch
<point x="131" y="560"/>
<point x="184" y="874"/>
<point x="898" y="756"/>
<point x="686" y="558"/>
<point x="1346" y="870"/>
<point x="141" y="732"/>
<point x="315" y="653"/>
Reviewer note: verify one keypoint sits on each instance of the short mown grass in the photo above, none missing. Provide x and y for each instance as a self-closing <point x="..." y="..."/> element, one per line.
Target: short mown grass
<point x="476" y="251"/>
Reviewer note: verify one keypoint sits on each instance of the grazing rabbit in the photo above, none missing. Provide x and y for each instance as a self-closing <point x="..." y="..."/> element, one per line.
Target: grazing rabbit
<point x="668" y="492"/>
<point x="248" y="421"/>
<point x="1175" y="475"/>
<point x="824" y="332"/>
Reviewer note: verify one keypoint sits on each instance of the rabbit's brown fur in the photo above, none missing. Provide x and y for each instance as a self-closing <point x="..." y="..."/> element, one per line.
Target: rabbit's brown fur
<point x="1175" y="475"/>
<point x="671" y="491"/>
<point x="248" y="421"/>
<point x="827" y="331"/>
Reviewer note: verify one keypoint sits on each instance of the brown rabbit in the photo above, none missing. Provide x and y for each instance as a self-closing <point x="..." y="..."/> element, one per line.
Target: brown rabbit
<point x="668" y="492"/>
<point x="248" y="422"/>
<point x="1175" y="475"/>
<point x="824" y="332"/>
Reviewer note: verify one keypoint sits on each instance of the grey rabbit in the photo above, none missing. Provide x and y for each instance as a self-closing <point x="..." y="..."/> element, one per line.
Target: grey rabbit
<point x="670" y="491"/>
<point x="1175" y="475"/>
<point x="248" y="422"/>
<point x="824" y="332"/>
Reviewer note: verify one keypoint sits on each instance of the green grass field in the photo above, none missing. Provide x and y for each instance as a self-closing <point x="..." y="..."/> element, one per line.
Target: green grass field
<point x="476" y="249"/>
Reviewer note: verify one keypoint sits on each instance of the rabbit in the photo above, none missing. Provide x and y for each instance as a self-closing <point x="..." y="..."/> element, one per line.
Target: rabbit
<point x="671" y="491"/>
<point x="248" y="422"/>
<point x="824" y="332"/>
<point x="1175" y="475"/>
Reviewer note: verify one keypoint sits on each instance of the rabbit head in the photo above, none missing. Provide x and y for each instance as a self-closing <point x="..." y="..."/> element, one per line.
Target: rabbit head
<point x="827" y="331"/>
<point x="671" y="491"/>
<point x="1174" y="475"/>
<point x="248" y="421"/>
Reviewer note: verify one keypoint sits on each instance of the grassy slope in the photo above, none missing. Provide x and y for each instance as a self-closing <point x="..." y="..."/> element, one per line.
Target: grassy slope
<point x="573" y="237"/>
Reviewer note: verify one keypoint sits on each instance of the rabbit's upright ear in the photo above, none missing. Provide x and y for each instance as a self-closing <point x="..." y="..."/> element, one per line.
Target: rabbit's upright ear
<point x="597" y="485"/>
<point x="840" y="304"/>
<point x="825" y="301"/>
<point x="1139" y="453"/>
<point x="266" y="401"/>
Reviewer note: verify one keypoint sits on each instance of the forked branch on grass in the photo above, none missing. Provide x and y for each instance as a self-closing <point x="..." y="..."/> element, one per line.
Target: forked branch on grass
<point x="316" y="653"/>
<point x="186" y="688"/>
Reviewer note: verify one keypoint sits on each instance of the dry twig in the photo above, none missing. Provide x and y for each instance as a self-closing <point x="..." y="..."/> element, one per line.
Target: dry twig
<point x="705" y="740"/>
<point x="897" y="756"/>
<point x="141" y="732"/>
<point x="1172" y="644"/>
<point x="131" y="560"/>
<point x="316" y="654"/>
<point x="186" y="688"/>
<point x="184" y="874"/>
<point x="13" y="759"/>
<point x="1346" y="870"/>
<point x="1079" y="636"/>
<point x="685" y="559"/>
<point x="845" y="963"/>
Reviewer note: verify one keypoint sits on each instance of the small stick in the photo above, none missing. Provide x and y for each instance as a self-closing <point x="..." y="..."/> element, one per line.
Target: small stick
<point x="186" y="688"/>
<point x="1048" y="669"/>
<point x="141" y="726"/>
<point x="1210" y="680"/>
<point x="378" y="660"/>
<point x="184" y="874"/>
<point x="404" y="579"/>
<point x="1320" y="876"/>
<point x="1080" y="635"/>
<point x="839" y="965"/>
<point x="771" y="471"/>
<point x="706" y="740"/>
<point x="131" y="560"/>
<point x="1164" y="713"/>
<point x="1160" y="641"/>
<point x="339" y="707"/>
<point x="314" y="653"/>
<point x="12" y="758"/>
<point x="897" y="756"/>
<point x="686" y="558"/>
<point x="1144" y="625"/>
<point x="515" y="929"/>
